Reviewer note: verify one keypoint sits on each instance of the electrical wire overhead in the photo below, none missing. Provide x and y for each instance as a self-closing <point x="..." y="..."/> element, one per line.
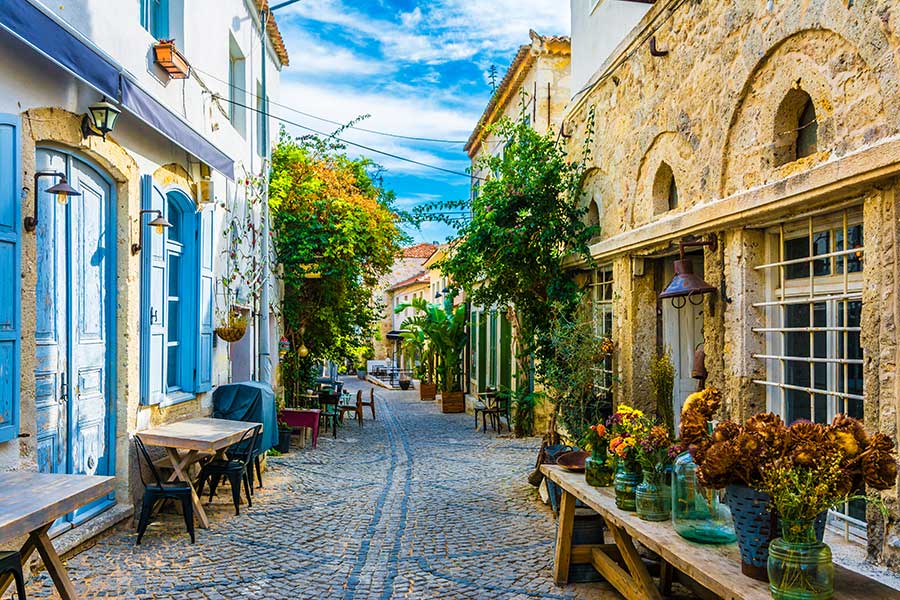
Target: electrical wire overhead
<point x="349" y="143"/>
<point x="330" y="121"/>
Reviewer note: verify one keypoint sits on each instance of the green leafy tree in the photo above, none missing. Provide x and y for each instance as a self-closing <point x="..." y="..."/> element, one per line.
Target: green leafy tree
<point x="336" y="234"/>
<point x="526" y="219"/>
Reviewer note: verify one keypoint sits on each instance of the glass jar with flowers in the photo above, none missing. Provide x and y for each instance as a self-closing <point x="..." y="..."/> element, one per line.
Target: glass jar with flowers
<point x="788" y="474"/>
<point x="623" y="425"/>
<point x="598" y="469"/>
<point x="653" y="499"/>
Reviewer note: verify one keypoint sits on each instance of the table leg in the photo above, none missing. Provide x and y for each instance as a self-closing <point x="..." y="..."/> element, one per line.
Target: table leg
<point x="53" y="563"/>
<point x="640" y="579"/>
<point x="564" y="539"/>
<point x="315" y="432"/>
<point x="179" y="465"/>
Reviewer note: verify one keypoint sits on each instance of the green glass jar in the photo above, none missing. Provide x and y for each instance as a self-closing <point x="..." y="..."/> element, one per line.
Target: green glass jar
<point x="596" y="470"/>
<point x="627" y="478"/>
<point x="653" y="499"/>
<point x="800" y="566"/>
<point x="698" y="514"/>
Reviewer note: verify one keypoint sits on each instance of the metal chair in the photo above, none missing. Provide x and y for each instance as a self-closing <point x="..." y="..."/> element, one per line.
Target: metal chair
<point x="237" y="468"/>
<point x="11" y="564"/>
<point x="162" y="490"/>
<point x="486" y="408"/>
<point x="328" y="403"/>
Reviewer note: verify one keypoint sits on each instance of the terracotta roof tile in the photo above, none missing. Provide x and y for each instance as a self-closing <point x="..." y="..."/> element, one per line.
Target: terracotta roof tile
<point x="274" y="34"/>
<point x="424" y="250"/>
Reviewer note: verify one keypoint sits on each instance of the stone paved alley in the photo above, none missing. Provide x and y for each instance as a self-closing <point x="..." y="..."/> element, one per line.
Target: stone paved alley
<point x="414" y="505"/>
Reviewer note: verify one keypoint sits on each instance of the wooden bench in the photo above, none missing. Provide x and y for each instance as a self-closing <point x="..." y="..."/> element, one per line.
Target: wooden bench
<point x="717" y="569"/>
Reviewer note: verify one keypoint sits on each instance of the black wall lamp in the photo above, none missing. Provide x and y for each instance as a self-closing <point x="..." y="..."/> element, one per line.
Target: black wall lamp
<point x="159" y="223"/>
<point x="61" y="190"/>
<point x="99" y="120"/>
<point x="686" y="286"/>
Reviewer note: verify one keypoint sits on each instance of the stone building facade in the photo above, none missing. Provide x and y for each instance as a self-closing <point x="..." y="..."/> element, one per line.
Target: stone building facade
<point x="770" y="129"/>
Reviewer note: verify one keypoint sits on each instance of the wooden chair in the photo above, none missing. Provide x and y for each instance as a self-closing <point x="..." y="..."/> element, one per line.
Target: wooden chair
<point x="353" y="408"/>
<point x="371" y="402"/>
<point x="487" y="407"/>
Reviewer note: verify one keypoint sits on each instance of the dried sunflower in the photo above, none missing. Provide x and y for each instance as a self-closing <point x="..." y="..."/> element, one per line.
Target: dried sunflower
<point x="726" y="430"/>
<point x="879" y="466"/>
<point x="719" y="465"/>
<point x="843" y="426"/>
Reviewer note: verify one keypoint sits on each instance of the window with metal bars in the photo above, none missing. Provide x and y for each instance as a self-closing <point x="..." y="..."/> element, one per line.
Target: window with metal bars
<point x="813" y="306"/>
<point x="601" y="290"/>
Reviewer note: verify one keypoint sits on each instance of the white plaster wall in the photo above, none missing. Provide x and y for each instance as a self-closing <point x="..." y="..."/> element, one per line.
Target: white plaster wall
<point x="598" y="26"/>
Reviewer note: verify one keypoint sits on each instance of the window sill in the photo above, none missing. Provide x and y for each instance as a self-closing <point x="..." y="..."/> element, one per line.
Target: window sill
<point x="176" y="398"/>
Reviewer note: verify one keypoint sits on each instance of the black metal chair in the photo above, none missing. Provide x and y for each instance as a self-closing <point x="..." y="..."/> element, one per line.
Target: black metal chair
<point x="330" y="413"/>
<point x="162" y="490"/>
<point x="487" y="407"/>
<point x="11" y="564"/>
<point x="237" y="468"/>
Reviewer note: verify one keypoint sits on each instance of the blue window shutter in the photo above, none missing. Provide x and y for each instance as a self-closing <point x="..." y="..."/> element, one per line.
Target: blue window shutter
<point x="153" y="298"/>
<point x="205" y="241"/>
<point x="160" y="19"/>
<point x="10" y="281"/>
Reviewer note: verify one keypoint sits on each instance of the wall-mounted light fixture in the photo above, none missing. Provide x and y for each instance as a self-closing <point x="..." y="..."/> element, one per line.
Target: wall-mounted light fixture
<point x="159" y="223"/>
<point x="686" y="286"/>
<point x="62" y="190"/>
<point x="99" y="120"/>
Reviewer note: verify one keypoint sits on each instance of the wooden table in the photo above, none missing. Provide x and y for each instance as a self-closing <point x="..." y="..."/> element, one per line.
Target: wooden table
<point x="715" y="567"/>
<point x="303" y="418"/>
<point x="30" y="503"/>
<point x="186" y="442"/>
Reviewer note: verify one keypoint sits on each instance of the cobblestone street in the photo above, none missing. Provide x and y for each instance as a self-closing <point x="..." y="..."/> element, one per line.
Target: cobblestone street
<point x="416" y="504"/>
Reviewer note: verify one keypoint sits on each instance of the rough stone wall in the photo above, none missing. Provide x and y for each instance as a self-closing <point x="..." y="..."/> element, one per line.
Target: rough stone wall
<point x="719" y="112"/>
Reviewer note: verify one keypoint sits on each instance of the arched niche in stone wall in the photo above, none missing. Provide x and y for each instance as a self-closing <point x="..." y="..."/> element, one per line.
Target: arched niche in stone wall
<point x="604" y="206"/>
<point x="670" y="158"/>
<point x="845" y="92"/>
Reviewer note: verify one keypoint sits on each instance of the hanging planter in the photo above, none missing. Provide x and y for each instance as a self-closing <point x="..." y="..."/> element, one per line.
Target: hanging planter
<point x="233" y="327"/>
<point x="170" y="59"/>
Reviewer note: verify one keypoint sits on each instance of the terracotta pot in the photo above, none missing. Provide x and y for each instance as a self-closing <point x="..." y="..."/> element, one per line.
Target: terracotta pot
<point x="453" y="402"/>
<point x="427" y="391"/>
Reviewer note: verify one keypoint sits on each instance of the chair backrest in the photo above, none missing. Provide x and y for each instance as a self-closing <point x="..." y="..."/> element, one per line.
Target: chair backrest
<point x="142" y="451"/>
<point x="359" y="398"/>
<point x="244" y="449"/>
<point x="329" y="398"/>
<point x="372" y="395"/>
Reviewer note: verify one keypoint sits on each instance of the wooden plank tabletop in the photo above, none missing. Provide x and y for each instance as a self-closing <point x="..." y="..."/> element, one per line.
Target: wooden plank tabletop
<point x="715" y="567"/>
<point x="203" y="434"/>
<point x="29" y="500"/>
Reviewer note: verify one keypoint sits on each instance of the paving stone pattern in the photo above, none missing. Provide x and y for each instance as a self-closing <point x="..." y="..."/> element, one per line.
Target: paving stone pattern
<point x="416" y="504"/>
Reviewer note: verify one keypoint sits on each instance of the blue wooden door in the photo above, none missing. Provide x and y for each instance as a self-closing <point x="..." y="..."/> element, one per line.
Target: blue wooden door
<point x="51" y="330"/>
<point x="76" y="294"/>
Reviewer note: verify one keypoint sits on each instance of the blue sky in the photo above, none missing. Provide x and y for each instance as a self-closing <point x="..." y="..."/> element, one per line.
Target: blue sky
<point x="418" y="68"/>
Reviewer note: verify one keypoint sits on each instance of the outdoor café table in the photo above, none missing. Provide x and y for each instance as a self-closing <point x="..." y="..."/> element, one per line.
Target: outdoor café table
<point x="31" y="502"/>
<point x="714" y="567"/>
<point x="187" y="442"/>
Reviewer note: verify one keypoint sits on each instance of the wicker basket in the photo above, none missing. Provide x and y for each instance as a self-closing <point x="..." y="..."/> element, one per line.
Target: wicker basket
<point x="231" y="333"/>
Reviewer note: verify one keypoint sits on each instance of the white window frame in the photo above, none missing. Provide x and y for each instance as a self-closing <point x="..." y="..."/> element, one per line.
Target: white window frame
<point x="601" y="295"/>
<point x="836" y="291"/>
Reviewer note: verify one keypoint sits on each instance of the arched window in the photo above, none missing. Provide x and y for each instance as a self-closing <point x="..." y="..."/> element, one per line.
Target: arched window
<point x="593" y="215"/>
<point x="665" y="190"/>
<point x="796" y="128"/>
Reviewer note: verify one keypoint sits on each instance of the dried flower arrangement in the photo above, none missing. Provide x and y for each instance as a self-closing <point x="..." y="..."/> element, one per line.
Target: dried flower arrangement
<point x="806" y="467"/>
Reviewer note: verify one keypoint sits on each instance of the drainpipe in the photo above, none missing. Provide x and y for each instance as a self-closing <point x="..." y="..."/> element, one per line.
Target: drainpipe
<point x="265" y="362"/>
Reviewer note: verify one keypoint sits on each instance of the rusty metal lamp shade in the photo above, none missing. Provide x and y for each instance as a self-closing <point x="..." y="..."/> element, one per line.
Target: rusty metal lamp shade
<point x="686" y="286"/>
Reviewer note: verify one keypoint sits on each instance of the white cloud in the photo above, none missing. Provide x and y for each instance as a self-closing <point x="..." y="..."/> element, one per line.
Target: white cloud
<point x="446" y="30"/>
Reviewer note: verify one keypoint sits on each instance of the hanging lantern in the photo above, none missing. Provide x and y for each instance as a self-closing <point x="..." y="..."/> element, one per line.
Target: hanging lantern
<point x="686" y="286"/>
<point x="284" y="346"/>
<point x="303" y="351"/>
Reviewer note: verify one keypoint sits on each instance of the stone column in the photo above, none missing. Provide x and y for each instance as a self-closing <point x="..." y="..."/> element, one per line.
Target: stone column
<point x="635" y="306"/>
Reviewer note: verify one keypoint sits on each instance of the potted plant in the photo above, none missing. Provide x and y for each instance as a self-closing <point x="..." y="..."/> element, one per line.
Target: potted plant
<point x="232" y="326"/>
<point x="792" y="475"/>
<point x="445" y="328"/>
<point x="171" y="60"/>
<point x="284" y="437"/>
<point x="416" y="343"/>
<point x="405" y="381"/>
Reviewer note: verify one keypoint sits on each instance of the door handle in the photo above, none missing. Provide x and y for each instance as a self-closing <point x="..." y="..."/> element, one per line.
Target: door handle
<point x="154" y="315"/>
<point x="63" y="390"/>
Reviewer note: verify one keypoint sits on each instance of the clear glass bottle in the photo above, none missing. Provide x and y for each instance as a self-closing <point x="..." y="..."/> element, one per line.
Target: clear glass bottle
<point x="698" y="513"/>
<point x="625" y="483"/>
<point x="596" y="470"/>
<point x="800" y="566"/>
<point x="653" y="499"/>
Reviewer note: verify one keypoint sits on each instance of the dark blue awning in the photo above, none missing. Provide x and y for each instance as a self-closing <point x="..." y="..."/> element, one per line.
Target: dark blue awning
<point x="55" y="42"/>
